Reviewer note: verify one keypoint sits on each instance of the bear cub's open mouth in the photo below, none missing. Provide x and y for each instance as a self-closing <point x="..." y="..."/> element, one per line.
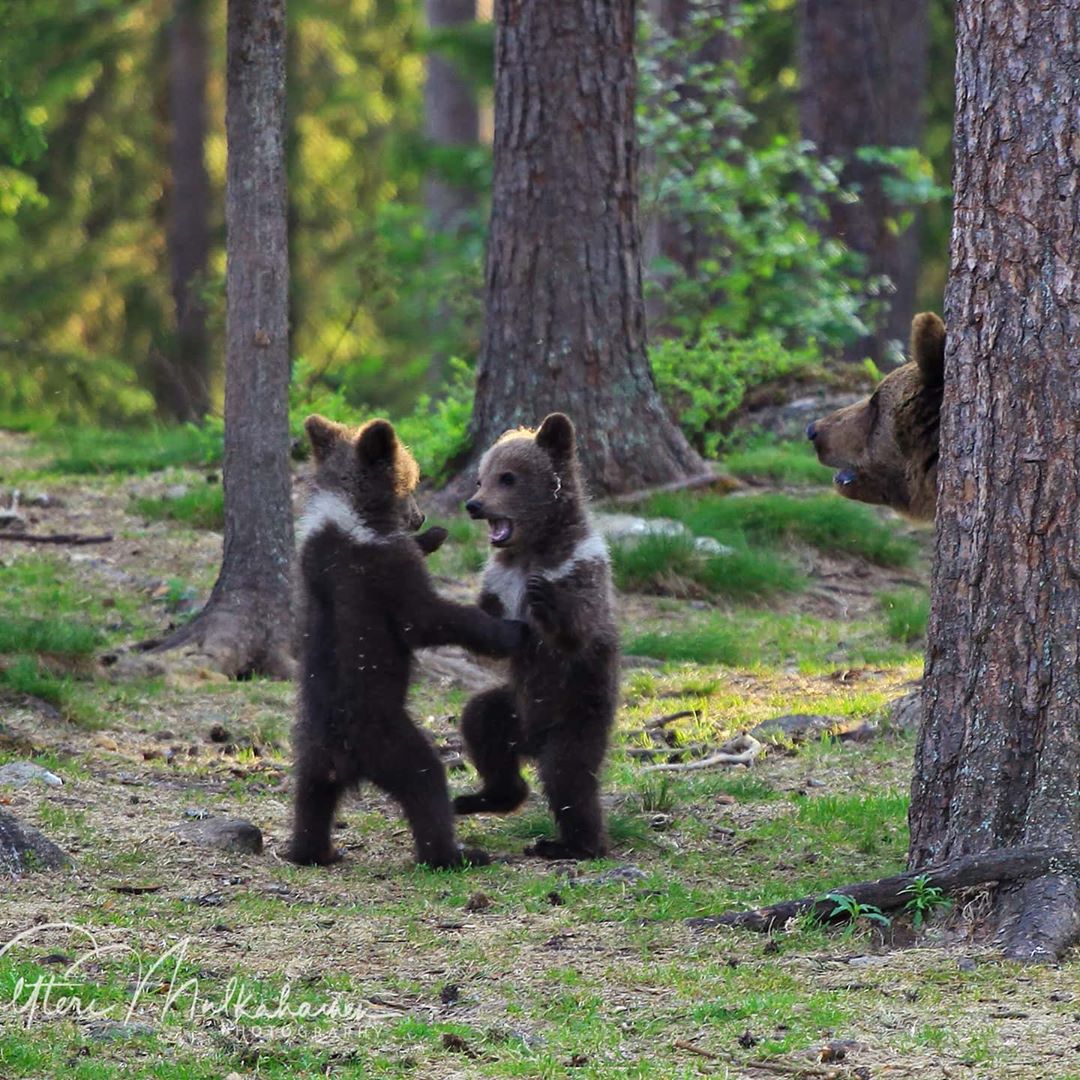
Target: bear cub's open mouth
<point x="501" y="530"/>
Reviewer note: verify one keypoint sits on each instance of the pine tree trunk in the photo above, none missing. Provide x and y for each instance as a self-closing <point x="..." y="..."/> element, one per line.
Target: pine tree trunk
<point x="862" y="69"/>
<point x="451" y="117"/>
<point x="245" y="626"/>
<point x="998" y="760"/>
<point x="182" y="379"/>
<point x="565" y="321"/>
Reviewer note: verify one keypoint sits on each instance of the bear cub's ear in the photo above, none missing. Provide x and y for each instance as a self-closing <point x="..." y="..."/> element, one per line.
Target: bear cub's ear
<point x="377" y="443"/>
<point x="556" y="435"/>
<point x="928" y="348"/>
<point x="323" y="434"/>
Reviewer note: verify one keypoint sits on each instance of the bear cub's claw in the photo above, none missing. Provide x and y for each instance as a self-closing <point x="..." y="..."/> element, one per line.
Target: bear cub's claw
<point x="303" y="856"/>
<point x="540" y="596"/>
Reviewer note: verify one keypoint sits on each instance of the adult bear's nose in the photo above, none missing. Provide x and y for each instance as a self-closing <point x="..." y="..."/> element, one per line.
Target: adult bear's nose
<point x="811" y="430"/>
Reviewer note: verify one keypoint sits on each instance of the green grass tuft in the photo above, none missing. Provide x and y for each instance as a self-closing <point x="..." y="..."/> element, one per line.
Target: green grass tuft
<point x="52" y="636"/>
<point x="672" y="566"/>
<point x="792" y="463"/>
<point x="92" y="450"/>
<point x="823" y="521"/>
<point x="907" y="612"/>
<point x="202" y="508"/>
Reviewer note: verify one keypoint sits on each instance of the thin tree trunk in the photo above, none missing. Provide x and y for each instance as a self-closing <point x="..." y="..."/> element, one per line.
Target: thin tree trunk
<point x="998" y="759"/>
<point x="182" y="380"/>
<point x="565" y="326"/>
<point x="245" y="626"/>
<point x="862" y="68"/>
<point x="451" y="117"/>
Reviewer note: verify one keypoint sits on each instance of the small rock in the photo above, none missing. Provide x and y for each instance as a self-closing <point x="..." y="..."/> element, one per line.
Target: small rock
<point x="24" y="849"/>
<point x="798" y="727"/>
<point x="905" y="713"/>
<point x="176" y="491"/>
<point x="21" y="773"/>
<point x="868" y="961"/>
<point x="478" y="902"/>
<point x="226" y="834"/>
<point x="965" y="963"/>
<point x="112" y="1030"/>
<point x="627" y="874"/>
<point x="196" y="813"/>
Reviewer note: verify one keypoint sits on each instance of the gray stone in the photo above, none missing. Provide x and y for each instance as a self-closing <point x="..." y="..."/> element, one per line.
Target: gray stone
<point x="797" y="727"/>
<point x="23" y="849"/>
<point x="905" y="713"/>
<point x="114" y="1030"/>
<point x="628" y="875"/>
<point x="21" y="773"/>
<point x="619" y="528"/>
<point x="225" y="834"/>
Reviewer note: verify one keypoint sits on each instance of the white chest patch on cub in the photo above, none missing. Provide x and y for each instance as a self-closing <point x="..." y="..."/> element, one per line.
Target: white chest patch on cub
<point x="326" y="508"/>
<point x="508" y="582"/>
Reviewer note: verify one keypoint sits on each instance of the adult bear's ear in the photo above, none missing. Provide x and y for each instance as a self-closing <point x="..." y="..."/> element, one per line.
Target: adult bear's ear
<point x="928" y="348"/>
<point x="377" y="443"/>
<point x="556" y="435"/>
<point x="323" y="434"/>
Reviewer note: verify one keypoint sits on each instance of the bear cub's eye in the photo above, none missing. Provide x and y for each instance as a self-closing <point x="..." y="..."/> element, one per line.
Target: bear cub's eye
<point x="506" y="479"/>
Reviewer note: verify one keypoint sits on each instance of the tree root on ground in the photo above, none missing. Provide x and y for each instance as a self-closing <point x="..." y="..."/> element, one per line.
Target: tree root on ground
<point x="1039" y="913"/>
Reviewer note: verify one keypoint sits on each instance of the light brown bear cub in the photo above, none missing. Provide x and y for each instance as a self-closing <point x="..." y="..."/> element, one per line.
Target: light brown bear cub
<point x="366" y="602"/>
<point x="550" y="568"/>
<point x="886" y="446"/>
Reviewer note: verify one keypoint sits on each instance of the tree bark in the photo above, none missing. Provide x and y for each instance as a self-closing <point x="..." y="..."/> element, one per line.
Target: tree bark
<point x="451" y="117"/>
<point x="862" y="69"/>
<point x="245" y="626"/>
<point x="565" y="325"/>
<point x="998" y="758"/>
<point x="182" y="379"/>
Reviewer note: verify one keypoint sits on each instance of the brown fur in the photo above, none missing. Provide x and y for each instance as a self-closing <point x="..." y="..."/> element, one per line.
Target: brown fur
<point x="559" y="703"/>
<point x="366" y="602"/>
<point x="886" y="446"/>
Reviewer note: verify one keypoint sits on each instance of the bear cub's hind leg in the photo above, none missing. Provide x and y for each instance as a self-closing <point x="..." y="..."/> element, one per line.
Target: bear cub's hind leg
<point x="317" y="794"/>
<point x="491" y="730"/>
<point x="570" y="776"/>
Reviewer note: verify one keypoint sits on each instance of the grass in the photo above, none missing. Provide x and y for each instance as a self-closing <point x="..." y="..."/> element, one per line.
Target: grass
<point x="202" y="507"/>
<point x="822" y="521"/>
<point x="673" y="566"/>
<point x="907" y="612"/>
<point x="746" y="637"/>
<point x="82" y="451"/>
<point x="790" y="463"/>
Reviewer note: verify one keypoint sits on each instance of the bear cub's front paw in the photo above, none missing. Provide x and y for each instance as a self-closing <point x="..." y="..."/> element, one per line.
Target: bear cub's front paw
<point x="515" y="634"/>
<point x="540" y="596"/>
<point x="430" y="540"/>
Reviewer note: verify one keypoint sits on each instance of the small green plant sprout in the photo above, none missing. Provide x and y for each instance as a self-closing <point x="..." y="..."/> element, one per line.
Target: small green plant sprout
<point x="925" y="898"/>
<point x="657" y="795"/>
<point x="854" y="911"/>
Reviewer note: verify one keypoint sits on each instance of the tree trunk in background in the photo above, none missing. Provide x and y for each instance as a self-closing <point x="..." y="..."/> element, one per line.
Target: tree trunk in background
<point x="998" y="760"/>
<point x="451" y="117"/>
<point x="565" y="321"/>
<point x="862" y="69"/>
<point x="182" y="380"/>
<point x="245" y="626"/>
<point x="669" y="235"/>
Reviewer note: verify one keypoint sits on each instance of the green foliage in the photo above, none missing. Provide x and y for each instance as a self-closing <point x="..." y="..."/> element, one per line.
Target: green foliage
<point x="823" y="521"/>
<point x="713" y="642"/>
<point x="850" y="908"/>
<point x="907" y="612"/>
<point x="201" y="507"/>
<point x="750" y="201"/>
<point x="673" y="565"/>
<point x="140" y="450"/>
<point x="55" y="636"/>
<point x="791" y="463"/>
<point x="704" y="380"/>
<point x="924" y="900"/>
<point x="41" y="613"/>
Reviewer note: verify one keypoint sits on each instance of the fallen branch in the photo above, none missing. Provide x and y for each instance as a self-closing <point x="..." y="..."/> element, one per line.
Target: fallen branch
<point x="742" y="750"/>
<point x="689" y="1047"/>
<point x="56" y="538"/>
<point x="1008" y="864"/>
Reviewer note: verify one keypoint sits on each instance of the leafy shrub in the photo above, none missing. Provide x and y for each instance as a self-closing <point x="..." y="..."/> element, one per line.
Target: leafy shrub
<point x="704" y="382"/>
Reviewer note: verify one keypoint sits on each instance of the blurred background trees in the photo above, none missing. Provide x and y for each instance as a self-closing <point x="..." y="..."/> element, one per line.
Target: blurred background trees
<point x="111" y="221"/>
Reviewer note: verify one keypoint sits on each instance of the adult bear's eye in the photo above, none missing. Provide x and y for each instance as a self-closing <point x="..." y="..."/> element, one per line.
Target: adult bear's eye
<point x="506" y="479"/>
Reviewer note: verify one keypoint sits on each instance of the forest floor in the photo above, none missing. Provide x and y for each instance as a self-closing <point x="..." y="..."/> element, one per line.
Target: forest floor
<point x="152" y="955"/>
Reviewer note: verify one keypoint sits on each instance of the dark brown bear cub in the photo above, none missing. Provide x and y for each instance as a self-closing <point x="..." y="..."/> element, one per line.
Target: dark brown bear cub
<point x="551" y="568"/>
<point x="366" y="603"/>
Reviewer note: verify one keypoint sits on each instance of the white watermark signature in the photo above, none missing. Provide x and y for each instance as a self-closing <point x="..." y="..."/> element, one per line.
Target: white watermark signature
<point x="155" y="986"/>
